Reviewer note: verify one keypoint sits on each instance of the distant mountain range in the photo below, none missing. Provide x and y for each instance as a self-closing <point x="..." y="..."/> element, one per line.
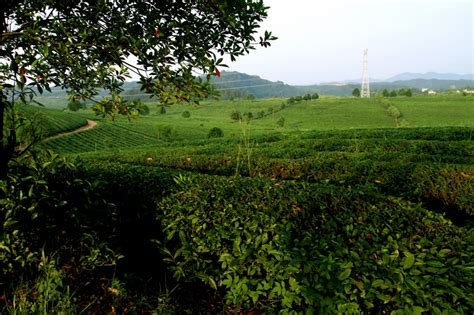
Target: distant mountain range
<point x="238" y="85"/>
<point x="430" y="76"/>
<point x="407" y="76"/>
<point x="232" y="84"/>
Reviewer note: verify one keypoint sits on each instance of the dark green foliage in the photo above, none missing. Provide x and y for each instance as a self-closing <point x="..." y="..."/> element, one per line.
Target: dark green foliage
<point x="409" y="93"/>
<point x="186" y="114"/>
<point x="307" y="97"/>
<point x="386" y="93"/>
<point x="83" y="49"/>
<point x="252" y="237"/>
<point x="215" y="133"/>
<point x="294" y="246"/>
<point x="74" y="105"/>
<point x="356" y="92"/>
<point x="401" y="92"/>
<point x="46" y="210"/>
<point x="393" y="93"/>
<point x="391" y="158"/>
<point x="376" y="221"/>
<point x="236" y="115"/>
<point x="250" y="96"/>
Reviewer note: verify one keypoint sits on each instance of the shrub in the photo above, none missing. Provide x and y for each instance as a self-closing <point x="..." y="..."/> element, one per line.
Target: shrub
<point x="248" y="115"/>
<point x="281" y="122"/>
<point x="215" y="133"/>
<point x="165" y="132"/>
<point x="186" y="114"/>
<point x="315" y="96"/>
<point x="356" y="92"/>
<point x="236" y="115"/>
<point x="277" y="246"/>
<point x="45" y="207"/>
<point x="393" y="112"/>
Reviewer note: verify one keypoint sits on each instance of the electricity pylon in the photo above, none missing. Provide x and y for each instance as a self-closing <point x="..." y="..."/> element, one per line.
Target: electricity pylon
<point x="365" y="90"/>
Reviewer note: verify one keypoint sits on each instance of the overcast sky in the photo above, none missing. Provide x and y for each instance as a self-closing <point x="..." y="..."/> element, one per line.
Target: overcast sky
<point x="323" y="41"/>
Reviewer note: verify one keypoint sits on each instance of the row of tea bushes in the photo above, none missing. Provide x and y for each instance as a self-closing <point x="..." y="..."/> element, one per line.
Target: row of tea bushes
<point x="442" y="186"/>
<point x="273" y="246"/>
<point x="54" y="121"/>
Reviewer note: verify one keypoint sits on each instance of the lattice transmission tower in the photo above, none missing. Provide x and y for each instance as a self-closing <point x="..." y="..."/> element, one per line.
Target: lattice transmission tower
<point x="365" y="90"/>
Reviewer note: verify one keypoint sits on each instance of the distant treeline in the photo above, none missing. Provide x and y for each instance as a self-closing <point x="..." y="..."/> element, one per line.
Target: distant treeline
<point x="236" y="85"/>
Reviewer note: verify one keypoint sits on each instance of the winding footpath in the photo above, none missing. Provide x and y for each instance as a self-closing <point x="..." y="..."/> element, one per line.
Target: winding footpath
<point x="90" y="124"/>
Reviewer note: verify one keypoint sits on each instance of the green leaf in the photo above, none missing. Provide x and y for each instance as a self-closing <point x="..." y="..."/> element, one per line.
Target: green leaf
<point x="354" y="255"/>
<point x="418" y="310"/>
<point x="294" y="284"/>
<point x="378" y="283"/>
<point x="212" y="283"/>
<point x="442" y="253"/>
<point x="408" y="261"/>
<point x="434" y="263"/>
<point x="345" y="274"/>
<point x="254" y="296"/>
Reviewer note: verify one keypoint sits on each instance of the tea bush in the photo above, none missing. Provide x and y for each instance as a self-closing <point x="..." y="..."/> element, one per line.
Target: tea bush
<point x="286" y="246"/>
<point x="186" y="114"/>
<point x="215" y="133"/>
<point x="47" y="210"/>
<point x="55" y="121"/>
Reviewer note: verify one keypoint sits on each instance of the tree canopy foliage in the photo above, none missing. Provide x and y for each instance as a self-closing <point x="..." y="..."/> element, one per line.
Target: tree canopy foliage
<point x="356" y="92"/>
<point x="87" y="45"/>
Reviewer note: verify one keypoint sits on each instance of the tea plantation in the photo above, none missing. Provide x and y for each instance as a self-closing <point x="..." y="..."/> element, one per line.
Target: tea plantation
<point x="335" y="205"/>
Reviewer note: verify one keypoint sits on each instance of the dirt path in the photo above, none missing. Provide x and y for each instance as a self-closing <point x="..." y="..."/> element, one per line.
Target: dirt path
<point x="90" y="124"/>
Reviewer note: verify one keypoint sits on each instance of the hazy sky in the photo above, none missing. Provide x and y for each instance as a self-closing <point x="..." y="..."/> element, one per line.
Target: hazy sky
<point x="322" y="41"/>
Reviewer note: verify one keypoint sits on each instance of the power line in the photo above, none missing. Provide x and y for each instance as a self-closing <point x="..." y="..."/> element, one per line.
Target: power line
<point x="233" y="81"/>
<point x="249" y="86"/>
<point x="143" y="94"/>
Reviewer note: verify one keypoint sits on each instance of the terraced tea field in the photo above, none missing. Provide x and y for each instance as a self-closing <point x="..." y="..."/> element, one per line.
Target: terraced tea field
<point x="322" y="206"/>
<point x="317" y="115"/>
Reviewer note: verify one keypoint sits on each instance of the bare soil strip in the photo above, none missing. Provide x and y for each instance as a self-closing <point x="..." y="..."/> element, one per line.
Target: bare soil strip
<point x="90" y="124"/>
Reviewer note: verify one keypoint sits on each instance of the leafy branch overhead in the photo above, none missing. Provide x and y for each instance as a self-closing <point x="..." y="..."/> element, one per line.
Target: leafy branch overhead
<point x="88" y="45"/>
